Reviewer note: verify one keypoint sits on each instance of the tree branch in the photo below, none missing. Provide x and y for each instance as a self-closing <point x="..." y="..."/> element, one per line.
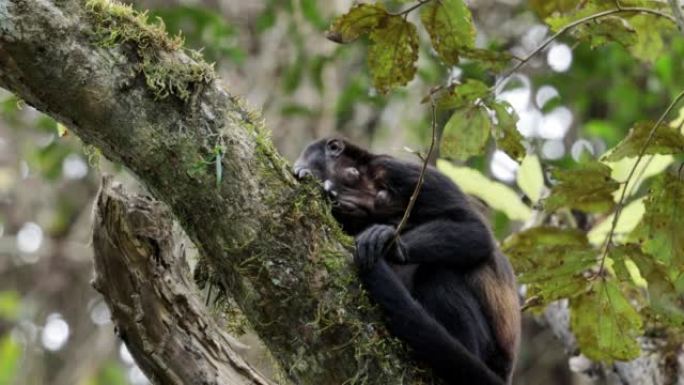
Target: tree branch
<point x="122" y="86"/>
<point x="142" y="273"/>
<point x="677" y="12"/>
<point x="570" y="26"/>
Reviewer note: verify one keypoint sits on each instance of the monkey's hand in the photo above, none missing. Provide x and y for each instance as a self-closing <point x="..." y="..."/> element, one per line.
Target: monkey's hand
<point x="374" y="243"/>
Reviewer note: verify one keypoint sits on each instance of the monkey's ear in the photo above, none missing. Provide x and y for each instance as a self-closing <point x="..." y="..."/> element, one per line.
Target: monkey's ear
<point x="334" y="147"/>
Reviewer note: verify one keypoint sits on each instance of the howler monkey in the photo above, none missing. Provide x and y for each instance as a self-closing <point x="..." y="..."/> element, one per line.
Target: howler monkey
<point x="444" y="286"/>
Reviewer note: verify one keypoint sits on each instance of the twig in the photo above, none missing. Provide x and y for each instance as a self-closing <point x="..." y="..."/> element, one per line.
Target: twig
<point x="677" y="12"/>
<point x="621" y="202"/>
<point x="574" y="24"/>
<point x="421" y="177"/>
<point x="411" y="8"/>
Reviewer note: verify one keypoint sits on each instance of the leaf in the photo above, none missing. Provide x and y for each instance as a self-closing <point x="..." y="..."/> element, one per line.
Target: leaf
<point x="62" y="131"/>
<point x="605" y="323"/>
<point x="666" y="140"/>
<point x="487" y="58"/>
<point x="661" y="230"/>
<point x="547" y="7"/>
<point x="450" y="26"/>
<point x="497" y="195"/>
<point x="360" y="20"/>
<point x="650" y="31"/>
<point x="630" y="216"/>
<point x="462" y="95"/>
<point x="10" y="354"/>
<point x="530" y="178"/>
<point x="620" y="259"/>
<point x="648" y="167"/>
<point x="664" y="299"/>
<point x="559" y="20"/>
<point x="551" y="261"/>
<point x="392" y="56"/>
<point x="505" y="133"/>
<point x="589" y="188"/>
<point x="606" y="30"/>
<point x="466" y="133"/>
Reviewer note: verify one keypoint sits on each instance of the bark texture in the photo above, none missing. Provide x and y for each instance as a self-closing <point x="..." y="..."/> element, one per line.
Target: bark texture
<point x="144" y="277"/>
<point x="266" y="240"/>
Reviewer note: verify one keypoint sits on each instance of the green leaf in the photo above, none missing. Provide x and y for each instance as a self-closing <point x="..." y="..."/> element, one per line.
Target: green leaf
<point x="650" y="32"/>
<point x="589" y="188"/>
<point x="505" y="133"/>
<point x="392" y="56"/>
<point x="666" y="140"/>
<point x="664" y="299"/>
<point x="10" y="354"/>
<point x="558" y="20"/>
<point x="487" y="58"/>
<point x="622" y="263"/>
<point x="466" y="133"/>
<point x="10" y="303"/>
<point x="630" y="216"/>
<point x="360" y="20"/>
<point x="606" y="30"/>
<point x="648" y="167"/>
<point x="547" y="7"/>
<point x="605" y="323"/>
<point x="462" y="95"/>
<point x="530" y="178"/>
<point x="551" y="261"/>
<point x="660" y="230"/>
<point x="450" y="26"/>
<point x="497" y="195"/>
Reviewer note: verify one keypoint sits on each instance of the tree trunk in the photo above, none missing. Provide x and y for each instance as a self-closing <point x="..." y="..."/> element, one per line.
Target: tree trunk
<point x="124" y="87"/>
<point x="141" y="271"/>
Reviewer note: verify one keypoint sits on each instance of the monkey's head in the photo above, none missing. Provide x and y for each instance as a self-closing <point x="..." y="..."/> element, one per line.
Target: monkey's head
<point x="347" y="176"/>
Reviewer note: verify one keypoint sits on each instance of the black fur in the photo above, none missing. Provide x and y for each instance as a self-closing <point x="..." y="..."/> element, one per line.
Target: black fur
<point x="428" y="283"/>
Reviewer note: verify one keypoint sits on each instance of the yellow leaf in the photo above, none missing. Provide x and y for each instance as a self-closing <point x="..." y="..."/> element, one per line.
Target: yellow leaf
<point x="497" y="195"/>
<point x="530" y="177"/>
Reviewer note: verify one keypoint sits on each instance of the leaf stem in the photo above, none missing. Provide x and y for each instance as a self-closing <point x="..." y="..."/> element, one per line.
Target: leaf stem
<point x="411" y="8"/>
<point x="576" y="23"/>
<point x="421" y="177"/>
<point x="621" y="202"/>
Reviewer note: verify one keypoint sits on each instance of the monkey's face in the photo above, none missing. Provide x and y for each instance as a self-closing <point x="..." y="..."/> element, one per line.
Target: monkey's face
<point x="343" y="170"/>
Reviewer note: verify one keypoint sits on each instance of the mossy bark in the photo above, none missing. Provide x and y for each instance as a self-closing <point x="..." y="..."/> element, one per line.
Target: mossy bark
<point x="268" y="240"/>
<point x="142" y="272"/>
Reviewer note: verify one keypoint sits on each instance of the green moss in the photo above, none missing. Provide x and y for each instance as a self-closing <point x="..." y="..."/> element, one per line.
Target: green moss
<point x="164" y="73"/>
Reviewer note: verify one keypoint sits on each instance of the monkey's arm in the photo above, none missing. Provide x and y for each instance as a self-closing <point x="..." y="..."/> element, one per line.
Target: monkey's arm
<point x="464" y="244"/>
<point x="409" y="321"/>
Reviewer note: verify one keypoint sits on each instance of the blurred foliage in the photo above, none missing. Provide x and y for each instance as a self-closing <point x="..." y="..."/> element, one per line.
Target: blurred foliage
<point x="10" y="303"/>
<point x="203" y="29"/>
<point x="10" y="354"/>
<point x="110" y="374"/>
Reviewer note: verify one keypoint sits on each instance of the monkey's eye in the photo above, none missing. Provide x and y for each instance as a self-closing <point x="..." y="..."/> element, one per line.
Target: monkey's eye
<point x="335" y="146"/>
